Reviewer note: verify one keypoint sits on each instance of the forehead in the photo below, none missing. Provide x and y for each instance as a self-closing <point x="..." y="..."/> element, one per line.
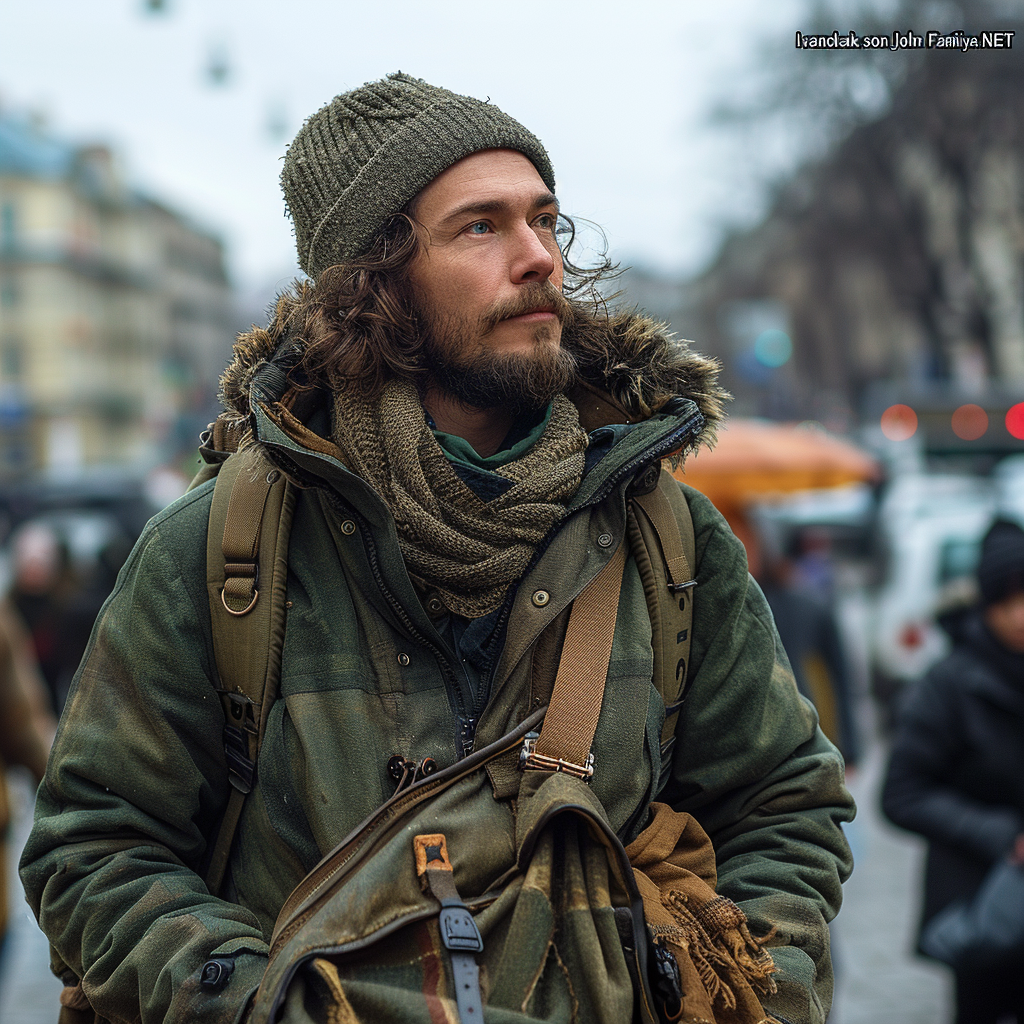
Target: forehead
<point x="491" y="176"/>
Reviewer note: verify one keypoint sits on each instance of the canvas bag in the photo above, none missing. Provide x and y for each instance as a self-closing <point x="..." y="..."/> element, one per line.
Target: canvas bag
<point x="553" y="910"/>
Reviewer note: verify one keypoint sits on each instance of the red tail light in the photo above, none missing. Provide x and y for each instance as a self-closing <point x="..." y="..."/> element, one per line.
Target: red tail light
<point x="911" y="636"/>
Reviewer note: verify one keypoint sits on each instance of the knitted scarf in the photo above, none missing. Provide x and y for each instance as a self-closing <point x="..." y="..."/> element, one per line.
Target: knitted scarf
<point x="469" y="549"/>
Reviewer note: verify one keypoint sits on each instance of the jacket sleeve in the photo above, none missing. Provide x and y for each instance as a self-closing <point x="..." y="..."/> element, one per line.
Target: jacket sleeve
<point x="135" y="782"/>
<point x="918" y="794"/>
<point x="755" y="770"/>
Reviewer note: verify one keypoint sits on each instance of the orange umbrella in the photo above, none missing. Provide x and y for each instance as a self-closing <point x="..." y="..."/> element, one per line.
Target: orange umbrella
<point x="757" y="460"/>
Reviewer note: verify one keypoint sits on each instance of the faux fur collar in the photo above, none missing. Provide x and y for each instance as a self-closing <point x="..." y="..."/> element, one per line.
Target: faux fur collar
<point x="629" y="366"/>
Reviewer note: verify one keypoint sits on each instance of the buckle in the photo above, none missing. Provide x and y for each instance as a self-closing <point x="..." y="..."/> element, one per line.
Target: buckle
<point x="459" y="932"/>
<point x="676" y="587"/>
<point x="530" y="760"/>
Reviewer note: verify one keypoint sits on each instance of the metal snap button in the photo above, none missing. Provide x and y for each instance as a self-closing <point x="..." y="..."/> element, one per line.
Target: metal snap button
<point x="273" y="476"/>
<point x="403" y="659"/>
<point x="605" y="540"/>
<point x="435" y="605"/>
<point x="541" y="598"/>
<point x="348" y="527"/>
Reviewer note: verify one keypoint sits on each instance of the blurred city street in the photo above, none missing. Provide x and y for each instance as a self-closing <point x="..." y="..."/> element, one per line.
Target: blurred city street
<point x="880" y="982"/>
<point x="423" y="347"/>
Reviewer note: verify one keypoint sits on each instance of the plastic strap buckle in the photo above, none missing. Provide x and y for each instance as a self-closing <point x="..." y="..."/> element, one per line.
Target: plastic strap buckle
<point x="459" y="932"/>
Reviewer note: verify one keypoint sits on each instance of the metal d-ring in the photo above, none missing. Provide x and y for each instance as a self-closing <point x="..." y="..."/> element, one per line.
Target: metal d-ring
<point x="245" y="611"/>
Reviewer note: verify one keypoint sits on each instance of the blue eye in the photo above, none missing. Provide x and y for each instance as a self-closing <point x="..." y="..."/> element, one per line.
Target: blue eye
<point x="479" y="228"/>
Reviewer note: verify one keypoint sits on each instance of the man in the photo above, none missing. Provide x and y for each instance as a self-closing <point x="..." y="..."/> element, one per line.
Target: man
<point x="956" y="774"/>
<point x="452" y="506"/>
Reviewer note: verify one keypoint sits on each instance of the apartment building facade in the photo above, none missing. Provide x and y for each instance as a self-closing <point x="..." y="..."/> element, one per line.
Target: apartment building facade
<point x="115" y="311"/>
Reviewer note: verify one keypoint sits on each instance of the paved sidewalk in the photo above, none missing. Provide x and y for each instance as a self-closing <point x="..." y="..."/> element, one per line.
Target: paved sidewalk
<point x="29" y="993"/>
<point x="880" y="981"/>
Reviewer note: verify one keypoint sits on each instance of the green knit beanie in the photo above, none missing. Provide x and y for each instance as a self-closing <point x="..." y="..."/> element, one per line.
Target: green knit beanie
<point x="356" y="162"/>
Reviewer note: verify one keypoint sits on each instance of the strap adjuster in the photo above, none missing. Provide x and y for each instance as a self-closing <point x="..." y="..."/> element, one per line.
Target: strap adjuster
<point x="459" y="932"/>
<point x="530" y="760"/>
<point x="676" y="587"/>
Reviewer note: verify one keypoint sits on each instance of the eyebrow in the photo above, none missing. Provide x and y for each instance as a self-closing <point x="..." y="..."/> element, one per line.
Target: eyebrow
<point x="499" y="206"/>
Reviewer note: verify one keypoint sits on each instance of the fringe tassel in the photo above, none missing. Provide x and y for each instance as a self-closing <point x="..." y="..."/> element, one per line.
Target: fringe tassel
<point x="716" y="938"/>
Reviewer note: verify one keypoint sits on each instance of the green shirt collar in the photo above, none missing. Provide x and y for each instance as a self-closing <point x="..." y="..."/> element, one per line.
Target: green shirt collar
<point x="523" y="435"/>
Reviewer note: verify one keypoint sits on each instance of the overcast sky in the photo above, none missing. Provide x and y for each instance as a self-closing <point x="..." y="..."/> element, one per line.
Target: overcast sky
<point x="618" y="92"/>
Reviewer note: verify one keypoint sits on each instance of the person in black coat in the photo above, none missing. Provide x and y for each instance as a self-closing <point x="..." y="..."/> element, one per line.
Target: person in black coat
<point x="956" y="771"/>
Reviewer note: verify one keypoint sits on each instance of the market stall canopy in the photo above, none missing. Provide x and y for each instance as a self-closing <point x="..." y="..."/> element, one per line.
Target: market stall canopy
<point x="756" y="461"/>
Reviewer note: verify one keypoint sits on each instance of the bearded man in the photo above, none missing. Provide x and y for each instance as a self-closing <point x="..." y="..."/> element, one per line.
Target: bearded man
<point x="465" y="423"/>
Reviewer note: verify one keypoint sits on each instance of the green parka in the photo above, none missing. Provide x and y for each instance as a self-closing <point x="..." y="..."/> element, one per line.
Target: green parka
<point x="137" y="781"/>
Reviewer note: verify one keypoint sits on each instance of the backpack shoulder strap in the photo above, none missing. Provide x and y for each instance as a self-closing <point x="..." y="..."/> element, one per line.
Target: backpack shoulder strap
<point x="660" y="531"/>
<point x="246" y="577"/>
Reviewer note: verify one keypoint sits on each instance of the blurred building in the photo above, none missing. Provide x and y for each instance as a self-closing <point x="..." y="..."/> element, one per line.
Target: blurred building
<point x="892" y="269"/>
<point x="115" y="311"/>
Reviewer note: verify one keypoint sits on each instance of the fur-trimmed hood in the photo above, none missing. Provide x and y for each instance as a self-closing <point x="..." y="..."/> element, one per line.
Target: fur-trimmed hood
<point x="628" y="358"/>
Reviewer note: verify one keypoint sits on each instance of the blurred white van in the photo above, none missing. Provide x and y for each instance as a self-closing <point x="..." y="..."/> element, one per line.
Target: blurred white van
<point x="931" y="527"/>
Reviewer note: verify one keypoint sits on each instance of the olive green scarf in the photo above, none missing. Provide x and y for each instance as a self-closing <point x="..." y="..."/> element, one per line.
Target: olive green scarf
<point x="469" y="549"/>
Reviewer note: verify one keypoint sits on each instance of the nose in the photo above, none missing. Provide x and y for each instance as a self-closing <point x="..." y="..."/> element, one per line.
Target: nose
<point x="531" y="260"/>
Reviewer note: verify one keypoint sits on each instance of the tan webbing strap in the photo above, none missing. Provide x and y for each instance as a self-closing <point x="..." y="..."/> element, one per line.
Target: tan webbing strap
<point x="571" y="720"/>
<point x="250" y="491"/>
<point x="662" y="517"/>
<point x="218" y="865"/>
<point x="661" y="533"/>
<point x="247" y="571"/>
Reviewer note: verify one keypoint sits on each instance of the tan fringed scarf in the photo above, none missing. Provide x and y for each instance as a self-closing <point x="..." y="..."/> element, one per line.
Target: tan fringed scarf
<point x="470" y="550"/>
<point x="723" y="968"/>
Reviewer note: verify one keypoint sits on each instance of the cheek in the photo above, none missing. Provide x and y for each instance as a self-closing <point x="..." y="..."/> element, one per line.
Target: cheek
<point x="558" y="275"/>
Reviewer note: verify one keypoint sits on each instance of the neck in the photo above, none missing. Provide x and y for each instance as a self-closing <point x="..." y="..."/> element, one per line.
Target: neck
<point x="484" y="429"/>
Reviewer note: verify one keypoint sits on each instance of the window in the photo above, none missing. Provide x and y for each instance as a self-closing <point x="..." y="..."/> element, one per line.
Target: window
<point x="11" y="359"/>
<point x="9" y="292"/>
<point x="958" y="557"/>
<point x="8" y="223"/>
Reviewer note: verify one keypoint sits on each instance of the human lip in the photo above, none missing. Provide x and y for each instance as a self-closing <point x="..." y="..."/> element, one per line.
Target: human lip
<point x="540" y="313"/>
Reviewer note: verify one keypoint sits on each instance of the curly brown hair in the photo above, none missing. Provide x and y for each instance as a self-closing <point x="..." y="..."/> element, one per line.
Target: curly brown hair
<point x="358" y="321"/>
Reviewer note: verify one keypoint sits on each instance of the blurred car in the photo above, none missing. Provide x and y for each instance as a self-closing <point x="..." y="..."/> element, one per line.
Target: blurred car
<point x="121" y="494"/>
<point x="931" y="527"/>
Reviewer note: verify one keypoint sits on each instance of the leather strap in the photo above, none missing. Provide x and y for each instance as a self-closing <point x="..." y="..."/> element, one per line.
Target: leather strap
<point x="567" y="735"/>
<point x="456" y="926"/>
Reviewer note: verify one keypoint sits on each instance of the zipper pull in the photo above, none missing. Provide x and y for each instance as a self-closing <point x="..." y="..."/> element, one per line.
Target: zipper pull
<point x="465" y="735"/>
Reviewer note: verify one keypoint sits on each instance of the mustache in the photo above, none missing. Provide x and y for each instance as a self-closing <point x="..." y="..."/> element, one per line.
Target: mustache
<point x="532" y="297"/>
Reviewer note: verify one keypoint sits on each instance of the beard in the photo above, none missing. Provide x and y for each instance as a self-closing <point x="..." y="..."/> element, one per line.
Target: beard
<point x="459" y="362"/>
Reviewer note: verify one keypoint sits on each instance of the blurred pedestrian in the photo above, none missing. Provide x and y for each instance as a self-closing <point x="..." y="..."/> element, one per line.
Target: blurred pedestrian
<point x="57" y="606"/>
<point x="26" y="727"/>
<point x="814" y="645"/>
<point x="956" y="774"/>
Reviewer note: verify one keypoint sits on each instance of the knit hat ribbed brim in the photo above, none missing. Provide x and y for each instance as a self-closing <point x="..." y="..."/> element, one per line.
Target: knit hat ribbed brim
<point x="359" y="160"/>
<point x="1001" y="567"/>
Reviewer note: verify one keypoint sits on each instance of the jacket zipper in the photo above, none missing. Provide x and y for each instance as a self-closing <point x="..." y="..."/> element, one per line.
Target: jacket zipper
<point x="465" y="724"/>
<point x="658" y="451"/>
